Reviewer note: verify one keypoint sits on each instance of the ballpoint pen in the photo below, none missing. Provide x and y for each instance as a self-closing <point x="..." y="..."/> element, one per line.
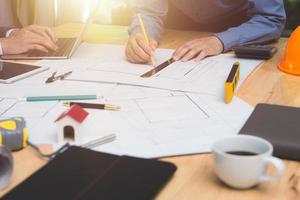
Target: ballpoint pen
<point x="93" y="106"/>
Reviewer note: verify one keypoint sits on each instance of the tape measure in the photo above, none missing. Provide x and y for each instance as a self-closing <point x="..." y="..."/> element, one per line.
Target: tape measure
<point x="13" y="133"/>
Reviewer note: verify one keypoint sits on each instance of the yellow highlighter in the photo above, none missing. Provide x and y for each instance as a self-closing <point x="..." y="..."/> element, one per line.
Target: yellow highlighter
<point x="231" y="82"/>
<point x="145" y="34"/>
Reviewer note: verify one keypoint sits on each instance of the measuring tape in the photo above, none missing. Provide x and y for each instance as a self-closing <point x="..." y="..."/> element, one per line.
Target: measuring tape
<point x="13" y="133"/>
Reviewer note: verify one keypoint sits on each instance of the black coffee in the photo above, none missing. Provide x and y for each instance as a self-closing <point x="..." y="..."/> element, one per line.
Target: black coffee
<point x="242" y="153"/>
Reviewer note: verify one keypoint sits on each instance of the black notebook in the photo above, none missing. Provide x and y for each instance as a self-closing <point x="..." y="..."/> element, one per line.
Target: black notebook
<point x="280" y="125"/>
<point x="82" y="174"/>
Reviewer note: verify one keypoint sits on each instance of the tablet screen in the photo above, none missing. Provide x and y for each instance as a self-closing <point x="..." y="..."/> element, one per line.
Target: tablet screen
<point x="10" y="70"/>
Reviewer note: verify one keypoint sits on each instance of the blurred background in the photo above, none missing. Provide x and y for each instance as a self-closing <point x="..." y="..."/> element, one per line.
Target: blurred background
<point x="55" y="12"/>
<point x="293" y="16"/>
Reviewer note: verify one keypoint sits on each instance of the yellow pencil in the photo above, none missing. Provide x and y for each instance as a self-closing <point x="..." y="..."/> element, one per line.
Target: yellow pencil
<point x="145" y="35"/>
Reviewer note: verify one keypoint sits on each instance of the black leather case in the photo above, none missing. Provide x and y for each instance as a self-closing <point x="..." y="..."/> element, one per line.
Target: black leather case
<point x="82" y="174"/>
<point x="278" y="124"/>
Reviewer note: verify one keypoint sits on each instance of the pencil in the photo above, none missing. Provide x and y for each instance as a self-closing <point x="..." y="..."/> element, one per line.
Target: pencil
<point x="94" y="106"/>
<point x="63" y="98"/>
<point x="142" y="25"/>
<point x="100" y="141"/>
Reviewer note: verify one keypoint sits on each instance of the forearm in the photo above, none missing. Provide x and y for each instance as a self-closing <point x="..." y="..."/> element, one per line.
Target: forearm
<point x="266" y="24"/>
<point x="152" y="13"/>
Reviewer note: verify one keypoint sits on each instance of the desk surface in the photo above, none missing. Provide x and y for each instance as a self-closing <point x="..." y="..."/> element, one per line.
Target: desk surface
<point x="195" y="178"/>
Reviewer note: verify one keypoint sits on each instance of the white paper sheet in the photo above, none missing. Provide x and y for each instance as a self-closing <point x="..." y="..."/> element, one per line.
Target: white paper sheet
<point x="107" y="64"/>
<point x="166" y="135"/>
<point x="152" y="122"/>
<point x="176" y="124"/>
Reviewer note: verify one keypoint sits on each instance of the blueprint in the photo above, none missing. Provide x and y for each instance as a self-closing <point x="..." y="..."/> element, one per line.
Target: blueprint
<point x="151" y="123"/>
<point x="179" y="111"/>
<point x="107" y="64"/>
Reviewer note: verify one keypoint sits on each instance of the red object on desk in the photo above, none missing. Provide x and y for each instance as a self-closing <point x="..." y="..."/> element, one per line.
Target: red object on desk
<point x="75" y="112"/>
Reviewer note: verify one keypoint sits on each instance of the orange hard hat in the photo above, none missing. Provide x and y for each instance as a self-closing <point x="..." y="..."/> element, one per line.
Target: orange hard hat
<point x="291" y="60"/>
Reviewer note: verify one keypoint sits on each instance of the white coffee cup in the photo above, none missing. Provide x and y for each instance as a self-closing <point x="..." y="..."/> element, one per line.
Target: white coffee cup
<point x="244" y="171"/>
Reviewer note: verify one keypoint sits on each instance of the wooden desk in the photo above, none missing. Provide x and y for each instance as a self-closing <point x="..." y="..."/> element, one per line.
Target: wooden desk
<point x="195" y="178"/>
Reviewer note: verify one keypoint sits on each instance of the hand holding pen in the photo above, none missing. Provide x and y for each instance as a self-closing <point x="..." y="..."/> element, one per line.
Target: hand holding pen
<point x="140" y="47"/>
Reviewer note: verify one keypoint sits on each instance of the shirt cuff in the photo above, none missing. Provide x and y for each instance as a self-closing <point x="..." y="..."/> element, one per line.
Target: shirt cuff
<point x="229" y="39"/>
<point x="1" y="50"/>
<point x="10" y="31"/>
<point x="6" y="35"/>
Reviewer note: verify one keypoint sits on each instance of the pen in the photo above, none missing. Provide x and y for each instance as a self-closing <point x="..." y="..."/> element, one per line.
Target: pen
<point x="145" y="34"/>
<point x="100" y="141"/>
<point x="63" y="98"/>
<point x="93" y="106"/>
<point x="231" y="82"/>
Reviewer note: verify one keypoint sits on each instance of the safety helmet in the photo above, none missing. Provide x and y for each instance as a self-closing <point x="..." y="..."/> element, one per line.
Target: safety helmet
<point x="291" y="60"/>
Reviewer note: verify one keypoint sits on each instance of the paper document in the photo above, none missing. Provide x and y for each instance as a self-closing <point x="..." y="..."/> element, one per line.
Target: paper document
<point x="185" y="116"/>
<point x="153" y="124"/>
<point x="107" y="64"/>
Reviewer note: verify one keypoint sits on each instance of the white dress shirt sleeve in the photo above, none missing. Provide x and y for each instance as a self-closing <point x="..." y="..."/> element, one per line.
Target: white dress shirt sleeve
<point x="7" y="35"/>
<point x="1" y="51"/>
<point x="10" y="31"/>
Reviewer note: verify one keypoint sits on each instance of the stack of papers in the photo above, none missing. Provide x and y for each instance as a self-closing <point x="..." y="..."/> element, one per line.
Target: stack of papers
<point x="179" y="111"/>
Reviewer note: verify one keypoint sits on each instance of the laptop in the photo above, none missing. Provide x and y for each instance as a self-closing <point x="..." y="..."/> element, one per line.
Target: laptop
<point x="67" y="47"/>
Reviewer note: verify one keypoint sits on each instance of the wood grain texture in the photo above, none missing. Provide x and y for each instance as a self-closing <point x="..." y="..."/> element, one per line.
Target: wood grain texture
<point x="195" y="178"/>
<point x="26" y="162"/>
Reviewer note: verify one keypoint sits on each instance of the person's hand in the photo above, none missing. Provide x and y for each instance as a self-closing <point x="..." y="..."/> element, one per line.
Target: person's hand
<point x="138" y="50"/>
<point x="30" y="38"/>
<point x="199" y="49"/>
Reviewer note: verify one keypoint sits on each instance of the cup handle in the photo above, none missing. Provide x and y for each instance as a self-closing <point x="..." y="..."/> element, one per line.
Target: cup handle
<point x="278" y="164"/>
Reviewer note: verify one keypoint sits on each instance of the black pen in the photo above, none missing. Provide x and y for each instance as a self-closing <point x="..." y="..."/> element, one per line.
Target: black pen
<point x="93" y="106"/>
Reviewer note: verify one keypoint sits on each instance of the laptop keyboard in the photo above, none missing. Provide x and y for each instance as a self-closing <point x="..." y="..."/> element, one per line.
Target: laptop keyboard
<point x="65" y="46"/>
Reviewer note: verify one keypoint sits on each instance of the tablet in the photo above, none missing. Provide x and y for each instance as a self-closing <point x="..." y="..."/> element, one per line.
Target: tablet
<point x="11" y="72"/>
